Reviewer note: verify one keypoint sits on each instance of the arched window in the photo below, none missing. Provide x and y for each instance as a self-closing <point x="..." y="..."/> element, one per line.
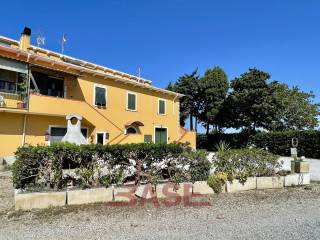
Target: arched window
<point x="131" y="130"/>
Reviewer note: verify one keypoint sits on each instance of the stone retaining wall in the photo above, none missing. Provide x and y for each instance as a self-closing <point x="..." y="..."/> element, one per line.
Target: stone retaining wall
<point x="27" y="201"/>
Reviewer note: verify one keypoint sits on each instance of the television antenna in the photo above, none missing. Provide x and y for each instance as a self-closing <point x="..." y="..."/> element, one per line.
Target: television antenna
<point x="139" y="70"/>
<point x="63" y="42"/>
<point x="41" y="40"/>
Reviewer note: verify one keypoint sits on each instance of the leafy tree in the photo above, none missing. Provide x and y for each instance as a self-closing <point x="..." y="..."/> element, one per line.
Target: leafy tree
<point x="190" y="103"/>
<point x="251" y="104"/>
<point x="213" y="88"/>
<point x="298" y="110"/>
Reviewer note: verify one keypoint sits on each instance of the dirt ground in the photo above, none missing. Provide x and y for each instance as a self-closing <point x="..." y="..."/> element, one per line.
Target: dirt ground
<point x="291" y="213"/>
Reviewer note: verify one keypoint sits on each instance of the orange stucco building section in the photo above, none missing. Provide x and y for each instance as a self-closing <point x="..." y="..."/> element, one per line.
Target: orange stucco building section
<point x="29" y="126"/>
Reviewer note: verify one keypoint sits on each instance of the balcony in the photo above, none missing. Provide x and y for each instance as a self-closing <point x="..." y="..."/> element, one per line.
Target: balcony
<point x="12" y="90"/>
<point x="55" y="106"/>
<point x="12" y="100"/>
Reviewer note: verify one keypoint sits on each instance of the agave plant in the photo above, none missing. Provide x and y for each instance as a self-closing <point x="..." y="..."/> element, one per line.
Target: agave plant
<point x="222" y="146"/>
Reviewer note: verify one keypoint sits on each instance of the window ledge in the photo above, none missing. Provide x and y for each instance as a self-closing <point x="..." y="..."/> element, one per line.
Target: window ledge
<point x="130" y="110"/>
<point x="100" y="107"/>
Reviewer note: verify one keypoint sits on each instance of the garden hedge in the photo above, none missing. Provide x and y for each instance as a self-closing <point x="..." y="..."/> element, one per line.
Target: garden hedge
<point x="276" y="142"/>
<point x="234" y="140"/>
<point x="280" y="142"/>
<point x="94" y="165"/>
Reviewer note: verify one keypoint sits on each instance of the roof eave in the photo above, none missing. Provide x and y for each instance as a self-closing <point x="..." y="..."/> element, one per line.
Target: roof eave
<point x="24" y="56"/>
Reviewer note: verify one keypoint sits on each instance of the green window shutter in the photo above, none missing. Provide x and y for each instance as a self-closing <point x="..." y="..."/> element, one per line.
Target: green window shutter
<point x="162" y="107"/>
<point x="100" y="98"/>
<point x="131" y="101"/>
<point x="161" y="135"/>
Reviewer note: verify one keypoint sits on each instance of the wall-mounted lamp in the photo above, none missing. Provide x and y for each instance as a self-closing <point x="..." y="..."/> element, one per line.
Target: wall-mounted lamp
<point x="46" y="136"/>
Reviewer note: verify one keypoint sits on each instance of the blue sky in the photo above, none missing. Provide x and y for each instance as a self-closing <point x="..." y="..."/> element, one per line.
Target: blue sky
<point x="168" y="38"/>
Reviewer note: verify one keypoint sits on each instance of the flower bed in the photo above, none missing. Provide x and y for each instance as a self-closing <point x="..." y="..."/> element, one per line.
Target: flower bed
<point x="124" y="173"/>
<point x="238" y="168"/>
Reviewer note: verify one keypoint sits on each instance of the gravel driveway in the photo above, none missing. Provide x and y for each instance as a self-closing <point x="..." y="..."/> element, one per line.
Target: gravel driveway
<point x="292" y="213"/>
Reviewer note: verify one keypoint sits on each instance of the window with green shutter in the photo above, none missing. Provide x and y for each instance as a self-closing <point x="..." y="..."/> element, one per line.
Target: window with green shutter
<point x="161" y="135"/>
<point x="162" y="107"/>
<point x="132" y="102"/>
<point x="100" y="96"/>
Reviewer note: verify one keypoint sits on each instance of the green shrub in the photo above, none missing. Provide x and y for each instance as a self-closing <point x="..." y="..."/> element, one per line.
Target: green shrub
<point x="30" y="166"/>
<point x="222" y="146"/>
<point x="86" y="176"/>
<point x="276" y="142"/>
<point x="217" y="181"/>
<point x="104" y="165"/>
<point x="17" y="174"/>
<point x="199" y="166"/>
<point x="280" y="142"/>
<point x="211" y="141"/>
<point x="243" y="163"/>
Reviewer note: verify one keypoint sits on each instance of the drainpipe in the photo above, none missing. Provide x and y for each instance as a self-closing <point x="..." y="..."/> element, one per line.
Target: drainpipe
<point x="173" y="106"/>
<point x="28" y="86"/>
<point x="28" y="101"/>
<point x="24" y="130"/>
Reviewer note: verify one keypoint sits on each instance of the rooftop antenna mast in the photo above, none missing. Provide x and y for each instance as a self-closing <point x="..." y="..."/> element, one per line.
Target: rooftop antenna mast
<point x="40" y="40"/>
<point x="63" y="42"/>
<point x="139" y="73"/>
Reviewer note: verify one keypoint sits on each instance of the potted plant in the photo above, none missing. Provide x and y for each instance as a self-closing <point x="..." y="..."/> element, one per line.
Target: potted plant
<point x="22" y="90"/>
<point x="20" y="104"/>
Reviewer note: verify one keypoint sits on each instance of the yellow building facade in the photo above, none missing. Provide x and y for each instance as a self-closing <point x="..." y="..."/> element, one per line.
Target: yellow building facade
<point x="39" y="88"/>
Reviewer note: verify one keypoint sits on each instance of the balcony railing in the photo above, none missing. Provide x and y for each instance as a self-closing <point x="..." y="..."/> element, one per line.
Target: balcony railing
<point x="12" y="100"/>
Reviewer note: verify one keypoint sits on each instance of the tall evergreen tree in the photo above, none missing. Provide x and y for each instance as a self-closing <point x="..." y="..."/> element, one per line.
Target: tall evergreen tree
<point x="213" y="91"/>
<point x="188" y="85"/>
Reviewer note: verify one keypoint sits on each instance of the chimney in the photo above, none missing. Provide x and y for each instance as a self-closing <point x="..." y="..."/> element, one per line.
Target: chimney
<point x="25" y="39"/>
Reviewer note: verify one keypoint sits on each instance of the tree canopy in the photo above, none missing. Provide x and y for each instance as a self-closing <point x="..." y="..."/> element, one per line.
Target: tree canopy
<point x="189" y="103"/>
<point x="251" y="104"/>
<point x="252" y="101"/>
<point x="213" y="87"/>
<point x="298" y="110"/>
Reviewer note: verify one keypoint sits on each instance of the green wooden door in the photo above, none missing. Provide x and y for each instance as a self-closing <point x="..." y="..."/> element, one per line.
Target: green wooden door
<point x="161" y="135"/>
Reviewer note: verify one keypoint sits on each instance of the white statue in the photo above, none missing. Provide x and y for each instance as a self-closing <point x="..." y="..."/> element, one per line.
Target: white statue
<point x="74" y="134"/>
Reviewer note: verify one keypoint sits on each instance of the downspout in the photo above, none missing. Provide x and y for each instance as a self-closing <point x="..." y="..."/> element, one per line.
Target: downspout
<point x="28" y="86"/>
<point x="28" y="101"/>
<point x="24" y="130"/>
<point x="173" y="107"/>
